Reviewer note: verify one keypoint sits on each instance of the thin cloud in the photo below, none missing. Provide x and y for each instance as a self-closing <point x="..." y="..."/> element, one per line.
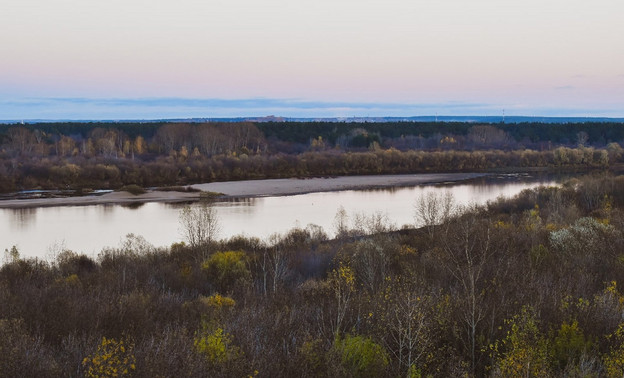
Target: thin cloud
<point x="238" y="103"/>
<point x="79" y="108"/>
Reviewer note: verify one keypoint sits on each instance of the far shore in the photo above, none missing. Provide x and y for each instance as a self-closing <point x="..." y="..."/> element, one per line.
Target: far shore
<point x="249" y="188"/>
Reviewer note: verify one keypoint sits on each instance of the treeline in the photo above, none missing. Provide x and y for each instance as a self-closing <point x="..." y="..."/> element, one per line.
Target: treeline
<point x="528" y="286"/>
<point x="109" y="155"/>
<point x="126" y="139"/>
<point x="79" y="173"/>
<point x="144" y="141"/>
<point x="464" y="134"/>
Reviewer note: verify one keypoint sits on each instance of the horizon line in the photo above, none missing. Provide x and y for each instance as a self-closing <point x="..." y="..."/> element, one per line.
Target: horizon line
<point x="304" y="119"/>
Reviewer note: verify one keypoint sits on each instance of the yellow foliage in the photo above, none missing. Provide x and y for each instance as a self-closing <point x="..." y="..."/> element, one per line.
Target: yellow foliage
<point x="345" y="276"/>
<point x="614" y="360"/>
<point x="552" y="227"/>
<point x="72" y="280"/>
<point x="112" y="359"/>
<point x="216" y="345"/>
<point x="612" y="290"/>
<point x="525" y="349"/>
<point x="186" y="271"/>
<point x="226" y="269"/>
<point x="407" y="250"/>
<point x="220" y="301"/>
<point x="502" y="225"/>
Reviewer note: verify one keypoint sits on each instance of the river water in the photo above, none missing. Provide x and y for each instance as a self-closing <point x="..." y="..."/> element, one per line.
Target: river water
<point x="43" y="232"/>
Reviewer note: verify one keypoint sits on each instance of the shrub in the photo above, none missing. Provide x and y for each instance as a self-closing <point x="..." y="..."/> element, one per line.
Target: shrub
<point x="133" y="189"/>
<point x="361" y="357"/>
<point x="112" y="359"/>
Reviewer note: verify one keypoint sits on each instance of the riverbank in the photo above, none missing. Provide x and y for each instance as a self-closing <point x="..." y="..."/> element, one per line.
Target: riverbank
<point x="249" y="188"/>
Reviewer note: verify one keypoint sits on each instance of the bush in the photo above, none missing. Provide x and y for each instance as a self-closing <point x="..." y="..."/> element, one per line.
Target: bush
<point x="361" y="357"/>
<point x="133" y="189"/>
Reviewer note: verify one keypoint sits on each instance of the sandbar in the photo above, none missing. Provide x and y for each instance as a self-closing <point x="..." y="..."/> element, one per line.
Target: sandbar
<point x="292" y="186"/>
<point x="249" y="188"/>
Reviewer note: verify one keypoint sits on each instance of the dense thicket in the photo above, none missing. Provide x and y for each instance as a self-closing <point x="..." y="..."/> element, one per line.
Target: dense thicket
<point x="528" y="286"/>
<point x="110" y="155"/>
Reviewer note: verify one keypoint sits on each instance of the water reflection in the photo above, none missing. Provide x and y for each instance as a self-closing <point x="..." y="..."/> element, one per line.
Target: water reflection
<point x="133" y="205"/>
<point x="22" y="218"/>
<point x="88" y="229"/>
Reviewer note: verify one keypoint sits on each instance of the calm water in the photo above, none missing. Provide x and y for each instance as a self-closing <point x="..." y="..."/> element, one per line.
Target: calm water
<point x="87" y="229"/>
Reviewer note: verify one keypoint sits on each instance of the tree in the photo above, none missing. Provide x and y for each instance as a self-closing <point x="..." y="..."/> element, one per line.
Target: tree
<point x="432" y="209"/>
<point x="371" y="260"/>
<point x="341" y="222"/>
<point x="278" y="262"/>
<point x="526" y="350"/>
<point x="467" y="252"/>
<point x="11" y="255"/>
<point x="21" y="139"/>
<point x="405" y="318"/>
<point x="199" y="224"/>
<point x="342" y="282"/>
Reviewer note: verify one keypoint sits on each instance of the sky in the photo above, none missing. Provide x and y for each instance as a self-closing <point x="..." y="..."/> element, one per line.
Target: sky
<point x="140" y="59"/>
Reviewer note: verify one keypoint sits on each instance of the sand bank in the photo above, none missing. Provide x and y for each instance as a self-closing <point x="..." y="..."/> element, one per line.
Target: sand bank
<point x="282" y="187"/>
<point x="250" y="188"/>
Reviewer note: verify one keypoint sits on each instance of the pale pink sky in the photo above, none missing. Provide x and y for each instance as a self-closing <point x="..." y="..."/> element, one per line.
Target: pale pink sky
<point x="530" y="57"/>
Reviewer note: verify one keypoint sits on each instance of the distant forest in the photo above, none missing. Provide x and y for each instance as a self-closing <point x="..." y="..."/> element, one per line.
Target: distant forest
<point x="110" y="155"/>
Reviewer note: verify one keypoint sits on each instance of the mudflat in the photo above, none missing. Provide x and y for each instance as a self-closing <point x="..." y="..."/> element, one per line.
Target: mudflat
<point x="250" y="188"/>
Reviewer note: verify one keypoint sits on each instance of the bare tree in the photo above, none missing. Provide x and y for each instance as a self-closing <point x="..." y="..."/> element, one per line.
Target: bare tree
<point x="342" y="283"/>
<point x="21" y="139"/>
<point x="341" y="222"/>
<point x="433" y="209"/>
<point x="406" y="329"/>
<point x="467" y="251"/>
<point x="199" y="224"/>
<point x="371" y="262"/>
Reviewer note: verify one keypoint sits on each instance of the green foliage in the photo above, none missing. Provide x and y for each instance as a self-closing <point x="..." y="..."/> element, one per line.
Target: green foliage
<point x="414" y="372"/>
<point x="227" y="269"/>
<point x="361" y="357"/>
<point x="569" y="345"/>
<point x="112" y="359"/>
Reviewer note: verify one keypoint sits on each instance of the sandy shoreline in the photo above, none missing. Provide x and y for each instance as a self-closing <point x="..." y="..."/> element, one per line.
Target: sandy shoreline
<point x="250" y="188"/>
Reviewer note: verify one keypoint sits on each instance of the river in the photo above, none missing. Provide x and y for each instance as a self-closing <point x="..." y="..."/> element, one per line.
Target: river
<point x="42" y="232"/>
